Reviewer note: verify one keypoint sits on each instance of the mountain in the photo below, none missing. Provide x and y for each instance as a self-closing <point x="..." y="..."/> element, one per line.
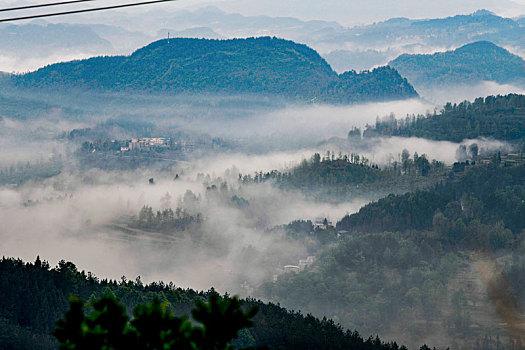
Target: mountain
<point x="46" y="38"/>
<point x="28" y="46"/>
<point x="254" y="65"/>
<point x="345" y="48"/>
<point x="358" y="47"/>
<point x="193" y="32"/>
<point x="230" y="25"/>
<point x="469" y="64"/>
<point x="402" y="35"/>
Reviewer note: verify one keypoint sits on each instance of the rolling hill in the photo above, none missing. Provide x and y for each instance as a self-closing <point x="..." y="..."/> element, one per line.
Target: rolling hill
<point x="469" y="64"/>
<point x="255" y="65"/>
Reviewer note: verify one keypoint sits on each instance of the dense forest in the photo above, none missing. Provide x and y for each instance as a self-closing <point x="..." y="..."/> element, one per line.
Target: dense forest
<point x="499" y="117"/>
<point x="373" y="281"/>
<point x="488" y="194"/>
<point x="462" y="66"/>
<point x="339" y="176"/>
<point x="255" y="65"/>
<point x="33" y="296"/>
<point x="390" y="266"/>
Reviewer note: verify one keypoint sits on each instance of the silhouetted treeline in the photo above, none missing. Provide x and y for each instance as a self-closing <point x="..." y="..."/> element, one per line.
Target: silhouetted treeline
<point x="343" y="170"/>
<point x="21" y="173"/>
<point x="500" y="117"/>
<point x="33" y="296"/>
<point x="166" y="220"/>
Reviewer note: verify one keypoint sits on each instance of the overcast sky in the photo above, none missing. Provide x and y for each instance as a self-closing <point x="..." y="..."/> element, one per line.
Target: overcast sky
<point x="351" y="12"/>
<point x="347" y="12"/>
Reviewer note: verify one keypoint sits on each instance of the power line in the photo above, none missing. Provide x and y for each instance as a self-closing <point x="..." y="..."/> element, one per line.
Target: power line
<point x="84" y="10"/>
<point x="42" y="5"/>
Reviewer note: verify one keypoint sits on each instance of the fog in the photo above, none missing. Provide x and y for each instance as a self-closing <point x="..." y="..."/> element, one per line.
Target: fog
<point x="456" y="94"/>
<point x="88" y="215"/>
<point x="56" y="204"/>
<point x="73" y="214"/>
<point x="303" y="126"/>
<point x="70" y="213"/>
<point x="27" y="63"/>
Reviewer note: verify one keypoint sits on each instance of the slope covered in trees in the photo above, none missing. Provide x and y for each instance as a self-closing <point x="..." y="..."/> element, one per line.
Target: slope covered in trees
<point x="472" y="63"/>
<point x="372" y="282"/>
<point x="255" y="65"/>
<point x="499" y="117"/>
<point x="406" y="264"/>
<point x="488" y="194"/>
<point x="341" y="177"/>
<point x="33" y="296"/>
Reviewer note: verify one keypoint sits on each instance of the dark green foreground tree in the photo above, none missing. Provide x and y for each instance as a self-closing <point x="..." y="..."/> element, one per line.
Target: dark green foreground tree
<point x="108" y="327"/>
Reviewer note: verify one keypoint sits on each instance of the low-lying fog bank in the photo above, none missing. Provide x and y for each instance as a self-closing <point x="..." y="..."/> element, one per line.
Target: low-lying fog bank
<point x="75" y="215"/>
<point x="70" y="217"/>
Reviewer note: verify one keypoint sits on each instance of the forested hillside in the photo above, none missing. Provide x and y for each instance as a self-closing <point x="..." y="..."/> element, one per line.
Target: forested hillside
<point x="469" y="64"/>
<point x="499" y="117"/>
<point x="336" y="177"/>
<point x="406" y="263"/>
<point x="255" y="65"/>
<point x="33" y="296"/>
<point x="488" y="194"/>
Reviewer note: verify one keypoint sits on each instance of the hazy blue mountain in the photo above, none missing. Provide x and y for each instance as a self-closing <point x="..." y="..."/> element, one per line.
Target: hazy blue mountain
<point x="401" y="35"/>
<point x="122" y="40"/>
<point x="359" y="47"/>
<point x="255" y="65"/>
<point x="29" y="46"/>
<point x="194" y="32"/>
<point x="342" y="60"/>
<point x="450" y="31"/>
<point x="236" y="25"/>
<point x="355" y="48"/>
<point x="469" y="64"/>
<point x="45" y="38"/>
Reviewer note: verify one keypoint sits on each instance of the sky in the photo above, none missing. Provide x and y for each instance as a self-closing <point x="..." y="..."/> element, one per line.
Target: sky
<point x="353" y="12"/>
<point x="346" y="12"/>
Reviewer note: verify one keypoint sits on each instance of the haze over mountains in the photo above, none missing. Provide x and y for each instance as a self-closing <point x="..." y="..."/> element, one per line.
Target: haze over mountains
<point x="345" y="48"/>
<point x="187" y="146"/>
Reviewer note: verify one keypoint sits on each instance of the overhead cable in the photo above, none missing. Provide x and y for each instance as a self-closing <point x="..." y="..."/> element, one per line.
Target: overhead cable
<point x="84" y="10"/>
<point x="43" y="5"/>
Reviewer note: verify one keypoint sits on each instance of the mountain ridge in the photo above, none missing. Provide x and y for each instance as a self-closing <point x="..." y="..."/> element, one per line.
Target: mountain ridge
<point x="472" y="63"/>
<point x="262" y="65"/>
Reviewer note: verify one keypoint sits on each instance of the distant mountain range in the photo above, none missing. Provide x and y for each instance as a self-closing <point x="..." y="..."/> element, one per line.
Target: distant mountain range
<point x="356" y="48"/>
<point x="377" y="43"/>
<point x="371" y="45"/>
<point x="469" y="64"/>
<point x="255" y="65"/>
<point x="37" y="39"/>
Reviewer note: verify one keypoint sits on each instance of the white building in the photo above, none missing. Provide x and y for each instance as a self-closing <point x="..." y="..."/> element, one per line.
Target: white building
<point x="322" y="224"/>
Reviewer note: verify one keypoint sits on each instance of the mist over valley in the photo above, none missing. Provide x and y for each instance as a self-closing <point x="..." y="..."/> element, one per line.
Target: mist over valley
<point x="348" y="178"/>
